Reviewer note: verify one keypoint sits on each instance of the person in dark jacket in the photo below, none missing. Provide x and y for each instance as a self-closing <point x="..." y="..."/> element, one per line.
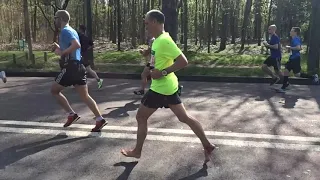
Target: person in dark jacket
<point x="86" y="44"/>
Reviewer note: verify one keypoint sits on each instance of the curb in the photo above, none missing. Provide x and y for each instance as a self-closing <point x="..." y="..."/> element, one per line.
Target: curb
<point x="229" y="79"/>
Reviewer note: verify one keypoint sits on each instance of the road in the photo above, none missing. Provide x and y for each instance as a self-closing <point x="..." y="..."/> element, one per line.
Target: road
<point x="260" y="134"/>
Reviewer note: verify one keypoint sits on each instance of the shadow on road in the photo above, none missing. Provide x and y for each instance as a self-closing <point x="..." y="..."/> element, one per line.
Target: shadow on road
<point x="222" y="100"/>
<point x="315" y="94"/>
<point x="289" y="163"/>
<point x="36" y="92"/>
<point x="128" y="169"/>
<point x="122" y="111"/>
<point x="201" y="173"/>
<point x="289" y="101"/>
<point x="13" y="154"/>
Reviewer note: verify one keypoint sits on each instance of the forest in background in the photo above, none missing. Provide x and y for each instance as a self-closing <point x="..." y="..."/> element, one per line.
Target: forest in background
<point x="195" y="25"/>
<point x="199" y="22"/>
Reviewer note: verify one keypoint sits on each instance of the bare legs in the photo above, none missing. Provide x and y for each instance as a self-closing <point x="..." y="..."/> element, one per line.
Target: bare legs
<point x="142" y="117"/>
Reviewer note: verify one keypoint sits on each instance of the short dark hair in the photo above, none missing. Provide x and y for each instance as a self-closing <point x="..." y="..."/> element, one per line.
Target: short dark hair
<point x="82" y="28"/>
<point x="156" y="15"/>
<point x="297" y="30"/>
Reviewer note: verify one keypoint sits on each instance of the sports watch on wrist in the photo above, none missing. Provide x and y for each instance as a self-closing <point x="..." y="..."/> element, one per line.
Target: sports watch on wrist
<point x="164" y="72"/>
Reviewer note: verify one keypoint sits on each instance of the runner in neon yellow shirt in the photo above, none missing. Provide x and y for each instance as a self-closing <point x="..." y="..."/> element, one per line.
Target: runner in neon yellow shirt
<point x="164" y="50"/>
<point x="164" y="86"/>
<point x="149" y="53"/>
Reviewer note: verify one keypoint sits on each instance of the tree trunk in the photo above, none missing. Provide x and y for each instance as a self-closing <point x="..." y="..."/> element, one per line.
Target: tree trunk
<point x="34" y="29"/>
<point x="119" y="25"/>
<point x="314" y="52"/>
<point x="169" y="9"/>
<point x="185" y="47"/>
<point x="209" y="25"/>
<point x="78" y="17"/>
<point x="134" y="24"/>
<point x="182" y="24"/>
<point x="143" y="27"/>
<point x="105" y="20"/>
<point x="233" y="22"/>
<point x="83" y="12"/>
<point x="245" y="23"/>
<point x="114" y="30"/>
<point x="124" y="16"/>
<point x="279" y="16"/>
<point x="214" y="22"/>
<point x="258" y="21"/>
<point x="89" y="28"/>
<point x="196" y="24"/>
<point x="269" y="20"/>
<point x="224" y="29"/>
<point x="111" y="18"/>
<point x="201" y="19"/>
<point x="27" y="30"/>
<point x="307" y="36"/>
<point x="148" y="5"/>
<point x="96" y="20"/>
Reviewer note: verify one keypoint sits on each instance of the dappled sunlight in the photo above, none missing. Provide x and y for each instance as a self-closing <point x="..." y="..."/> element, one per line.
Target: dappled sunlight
<point x="249" y="108"/>
<point x="298" y="165"/>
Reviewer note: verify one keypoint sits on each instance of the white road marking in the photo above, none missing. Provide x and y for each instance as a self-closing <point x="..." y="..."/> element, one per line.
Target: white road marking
<point x="237" y="143"/>
<point x="171" y="131"/>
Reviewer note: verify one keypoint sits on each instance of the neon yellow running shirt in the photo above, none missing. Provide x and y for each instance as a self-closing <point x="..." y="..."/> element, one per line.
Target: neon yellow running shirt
<point x="163" y="52"/>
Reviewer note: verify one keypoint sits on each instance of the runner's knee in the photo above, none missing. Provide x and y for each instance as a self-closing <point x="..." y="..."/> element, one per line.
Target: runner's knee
<point x="55" y="90"/>
<point x="184" y="118"/>
<point x="141" y="118"/>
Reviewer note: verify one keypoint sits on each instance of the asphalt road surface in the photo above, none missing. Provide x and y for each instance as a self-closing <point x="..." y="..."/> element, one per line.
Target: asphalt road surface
<point x="260" y="134"/>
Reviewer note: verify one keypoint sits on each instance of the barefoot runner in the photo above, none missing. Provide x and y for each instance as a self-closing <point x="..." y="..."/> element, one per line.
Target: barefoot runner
<point x="146" y="71"/>
<point x="164" y="86"/>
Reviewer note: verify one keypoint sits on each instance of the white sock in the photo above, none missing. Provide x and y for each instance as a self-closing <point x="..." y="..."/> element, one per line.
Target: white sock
<point x="100" y="118"/>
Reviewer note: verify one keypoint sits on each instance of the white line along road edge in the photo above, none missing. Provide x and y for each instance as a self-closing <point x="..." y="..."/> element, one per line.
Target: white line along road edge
<point x="171" y="131"/>
<point x="237" y="143"/>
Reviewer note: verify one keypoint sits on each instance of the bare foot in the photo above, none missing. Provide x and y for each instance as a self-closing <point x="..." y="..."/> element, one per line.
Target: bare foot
<point x="208" y="152"/>
<point x="130" y="153"/>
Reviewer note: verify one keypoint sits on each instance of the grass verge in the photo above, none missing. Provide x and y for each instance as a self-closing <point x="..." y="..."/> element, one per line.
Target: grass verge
<point x="214" y="64"/>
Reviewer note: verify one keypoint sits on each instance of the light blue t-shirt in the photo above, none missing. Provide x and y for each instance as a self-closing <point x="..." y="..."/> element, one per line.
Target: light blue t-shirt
<point x="68" y="34"/>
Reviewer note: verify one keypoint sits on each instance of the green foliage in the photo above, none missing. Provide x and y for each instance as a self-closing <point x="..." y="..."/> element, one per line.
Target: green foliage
<point x="217" y="64"/>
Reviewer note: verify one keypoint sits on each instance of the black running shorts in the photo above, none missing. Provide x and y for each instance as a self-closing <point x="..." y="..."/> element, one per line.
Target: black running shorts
<point x="294" y="65"/>
<point x="155" y="100"/>
<point x="73" y="74"/>
<point x="275" y="62"/>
